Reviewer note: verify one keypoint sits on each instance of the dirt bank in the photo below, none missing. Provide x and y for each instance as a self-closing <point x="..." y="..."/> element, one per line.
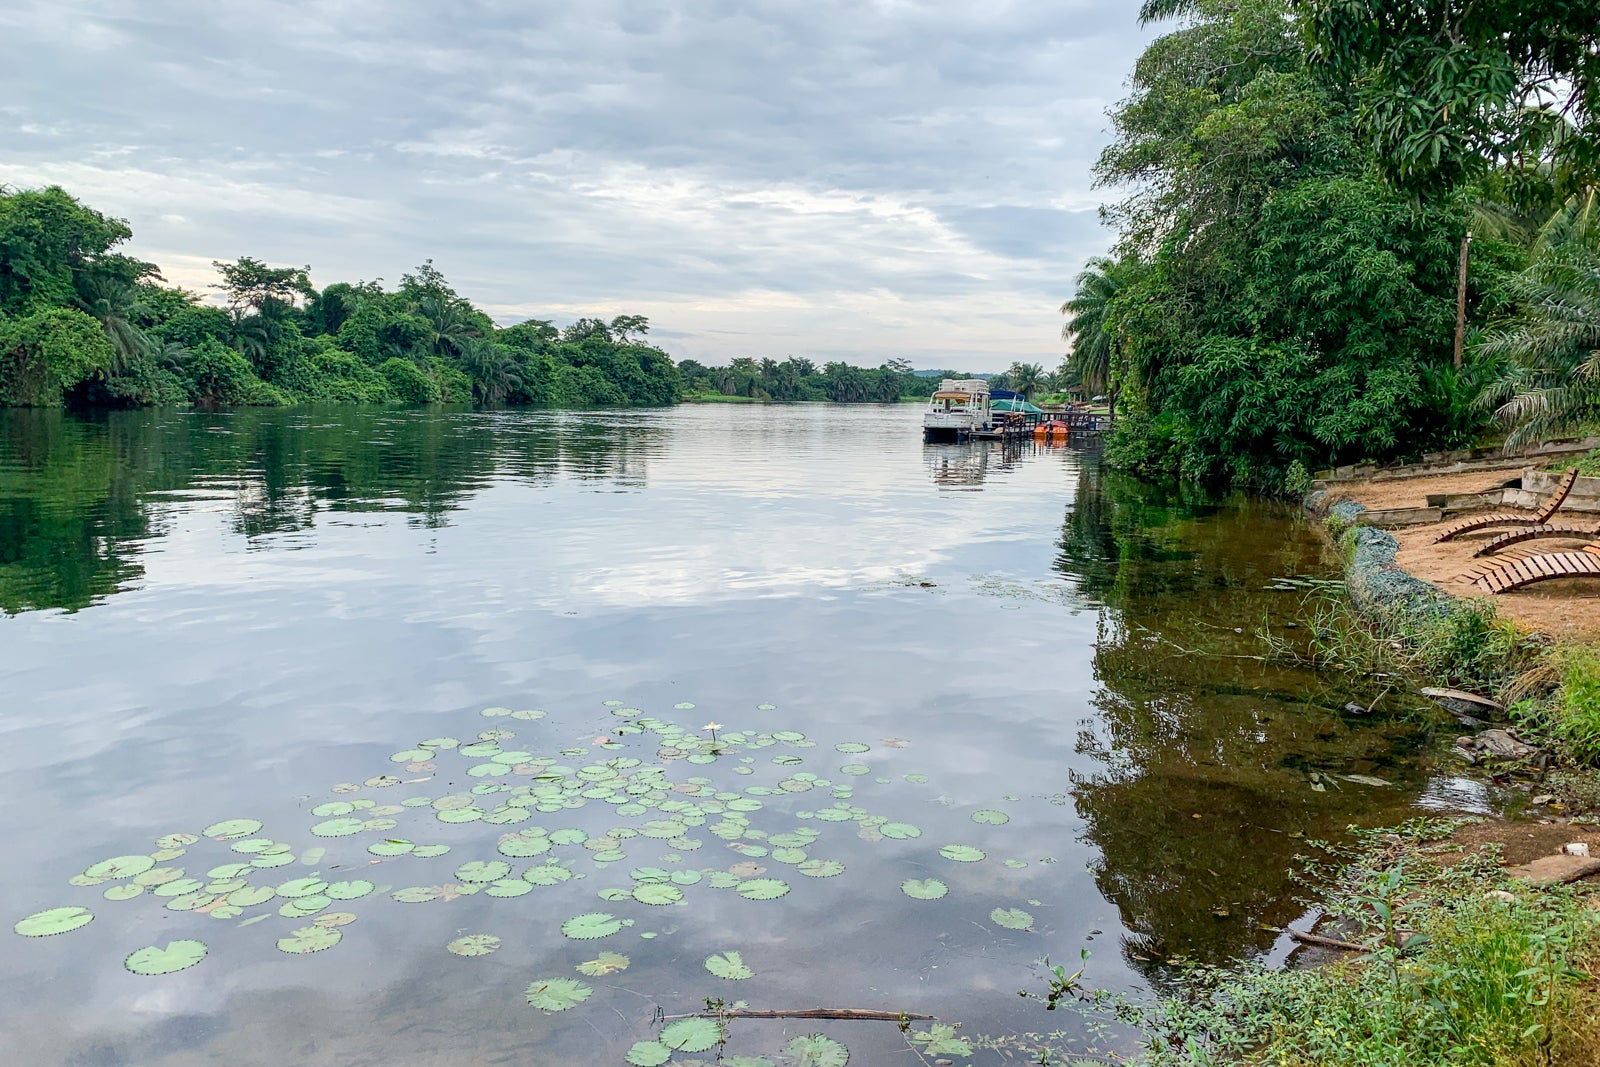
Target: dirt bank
<point x="1565" y="609"/>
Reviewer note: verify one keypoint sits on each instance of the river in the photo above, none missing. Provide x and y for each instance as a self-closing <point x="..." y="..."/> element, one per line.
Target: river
<point x="974" y="706"/>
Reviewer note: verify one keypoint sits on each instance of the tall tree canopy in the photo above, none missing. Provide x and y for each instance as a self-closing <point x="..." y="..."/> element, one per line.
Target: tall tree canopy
<point x="82" y="323"/>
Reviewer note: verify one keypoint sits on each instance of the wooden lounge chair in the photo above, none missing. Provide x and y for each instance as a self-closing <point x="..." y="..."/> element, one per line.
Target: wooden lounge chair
<point x="1511" y="518"/>
<point x="1516" y="573"/>
<point x="1531" y="533"/>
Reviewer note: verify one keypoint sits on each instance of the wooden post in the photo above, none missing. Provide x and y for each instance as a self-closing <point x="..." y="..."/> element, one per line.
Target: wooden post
<point x="1461" y="300"/>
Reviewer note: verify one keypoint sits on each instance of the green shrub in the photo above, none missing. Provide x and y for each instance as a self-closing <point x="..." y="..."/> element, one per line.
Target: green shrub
<point x="409" y="383"/>
<point x="1577" y="714"/>
<point x="45" y="355"/>
<point x="220" y="377"/>
<point x="342" y="377"/>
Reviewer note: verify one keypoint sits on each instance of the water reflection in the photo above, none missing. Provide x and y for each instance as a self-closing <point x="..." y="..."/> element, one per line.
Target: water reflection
<point x="267" y="603"/>
<point x="81" y="498"/>
<point x="1212" y="765"/>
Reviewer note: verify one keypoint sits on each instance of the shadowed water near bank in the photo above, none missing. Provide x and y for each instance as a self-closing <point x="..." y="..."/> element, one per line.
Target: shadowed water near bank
<point x="265" y="616"/>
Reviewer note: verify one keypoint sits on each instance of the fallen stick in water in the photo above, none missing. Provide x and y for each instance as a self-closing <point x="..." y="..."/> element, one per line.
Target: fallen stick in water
<point x="1327" y="942"/>
<point x="861" y="1014"/>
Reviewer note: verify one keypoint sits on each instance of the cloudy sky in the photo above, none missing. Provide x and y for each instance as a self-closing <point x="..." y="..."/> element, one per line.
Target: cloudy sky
<point x="858" y="179"/>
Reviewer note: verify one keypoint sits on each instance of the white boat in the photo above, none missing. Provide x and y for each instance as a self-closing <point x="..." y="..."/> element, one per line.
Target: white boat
<point x="958" y="408"/>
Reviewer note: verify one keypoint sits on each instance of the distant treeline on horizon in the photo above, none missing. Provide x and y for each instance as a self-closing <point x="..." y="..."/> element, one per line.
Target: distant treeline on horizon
<point x="83" y="325"/>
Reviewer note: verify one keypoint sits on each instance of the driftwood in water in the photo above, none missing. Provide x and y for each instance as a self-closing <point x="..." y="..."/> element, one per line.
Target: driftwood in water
<point x="1327" y="942"/>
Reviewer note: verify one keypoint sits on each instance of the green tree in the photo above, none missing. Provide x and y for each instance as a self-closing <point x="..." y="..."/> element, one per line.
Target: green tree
<point x="1089" y="326"/>
<point x="1026" y="378"/>
<point x="48" y="241"/>
<point x="1450" y="90"/>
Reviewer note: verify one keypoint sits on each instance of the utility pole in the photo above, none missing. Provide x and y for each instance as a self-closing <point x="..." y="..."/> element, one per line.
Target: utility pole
<point x="1461" y="300"/>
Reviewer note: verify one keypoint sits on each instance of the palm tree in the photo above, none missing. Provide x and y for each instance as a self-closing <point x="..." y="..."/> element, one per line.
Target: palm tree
<point x="1089" y="328"/>
<point x="1552" y="384"/>
<point x="1026" y="378"/>
<point x="492" y="369"/>
<point x="114" y="303"/>
<point x="450" y="326"/>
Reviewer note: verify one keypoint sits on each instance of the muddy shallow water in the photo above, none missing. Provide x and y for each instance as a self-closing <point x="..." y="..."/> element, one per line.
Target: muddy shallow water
<point x="1044" y="670"/>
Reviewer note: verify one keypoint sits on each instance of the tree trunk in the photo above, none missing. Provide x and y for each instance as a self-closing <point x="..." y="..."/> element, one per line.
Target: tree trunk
<point x="1461" y="300"/>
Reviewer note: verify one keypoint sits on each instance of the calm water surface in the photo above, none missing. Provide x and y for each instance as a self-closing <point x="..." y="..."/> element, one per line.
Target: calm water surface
<point x="245" y="616"/>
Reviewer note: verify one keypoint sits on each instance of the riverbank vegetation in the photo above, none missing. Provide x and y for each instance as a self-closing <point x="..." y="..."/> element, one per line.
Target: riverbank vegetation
<point x="1454" y="964"/>
<point x="83" y="324"/>
<point x="1346" y="231"/>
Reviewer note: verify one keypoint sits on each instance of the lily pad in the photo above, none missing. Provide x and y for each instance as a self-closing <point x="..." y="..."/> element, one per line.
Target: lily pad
<point x="657" y="893"/>
<point x="126" y="891"/>
<point x="474" y="945"/>
<point x="508" y="887"/>
<point x="990" y="817"/>
<point x="1011" y="918"/>
<point x="480" y="871"/>
<point x="762" y="888"/>
<point x="232" y="829"/>
<point x="814" y="1050"/>
<point x="962" y="853"/>
<point x="53" y="921"/>
<point x="603" y="964"/>
<point x="302" y="887"/>
<point x="729" y="965"/>
<point x="120" y="867"/>
<point x="354" y="889"/>
<point x="899" y="831"/>
<point x="177" y="956"/>
<point x="590" y="926"/>
<point x="558" y="994"/>
<point x="648" y="1054"/>
<point x="821" y="868"/>
<point x="547" y="874"/>
<point x="339" y="827"/>
<point x="310" y="939"/>
<point x="691" y="1035"/>
<point x="924" y="888"/>
<point x="250" y="896"/>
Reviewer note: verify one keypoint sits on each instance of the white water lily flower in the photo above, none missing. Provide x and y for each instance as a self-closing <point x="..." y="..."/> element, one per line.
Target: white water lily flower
<point x="712" y="726"/>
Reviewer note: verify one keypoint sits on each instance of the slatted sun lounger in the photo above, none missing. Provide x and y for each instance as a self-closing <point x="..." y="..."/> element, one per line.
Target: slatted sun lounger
<point x="1511" y="518"/>
<point x="1530" y="533"/>
<point x="1516" y="573"/>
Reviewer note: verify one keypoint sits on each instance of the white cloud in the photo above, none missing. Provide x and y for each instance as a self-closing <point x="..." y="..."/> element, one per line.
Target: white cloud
<point x="828" y="179"/>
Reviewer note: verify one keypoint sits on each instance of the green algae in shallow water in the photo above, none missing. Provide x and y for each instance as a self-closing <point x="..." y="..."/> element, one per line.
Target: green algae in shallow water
<point x="310" y="939"/>
<point x="814" y="1050"/>
<point x="53" y="921"/>
<point x="729" y="965"/>
<point x="176" y="956"/>
<point x="474" y="945"/>
<point x="603" y="964"/>
<point x="558" y="994"/>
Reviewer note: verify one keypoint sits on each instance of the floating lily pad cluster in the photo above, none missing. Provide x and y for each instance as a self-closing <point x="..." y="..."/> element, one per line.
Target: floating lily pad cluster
<point x="382" y="826"/>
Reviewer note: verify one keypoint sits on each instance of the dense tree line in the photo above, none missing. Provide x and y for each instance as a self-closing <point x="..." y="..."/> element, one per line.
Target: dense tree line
<point x="801" y="379"/>
<point x="1349" y="230"/>
<point x="83" y="324"/>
